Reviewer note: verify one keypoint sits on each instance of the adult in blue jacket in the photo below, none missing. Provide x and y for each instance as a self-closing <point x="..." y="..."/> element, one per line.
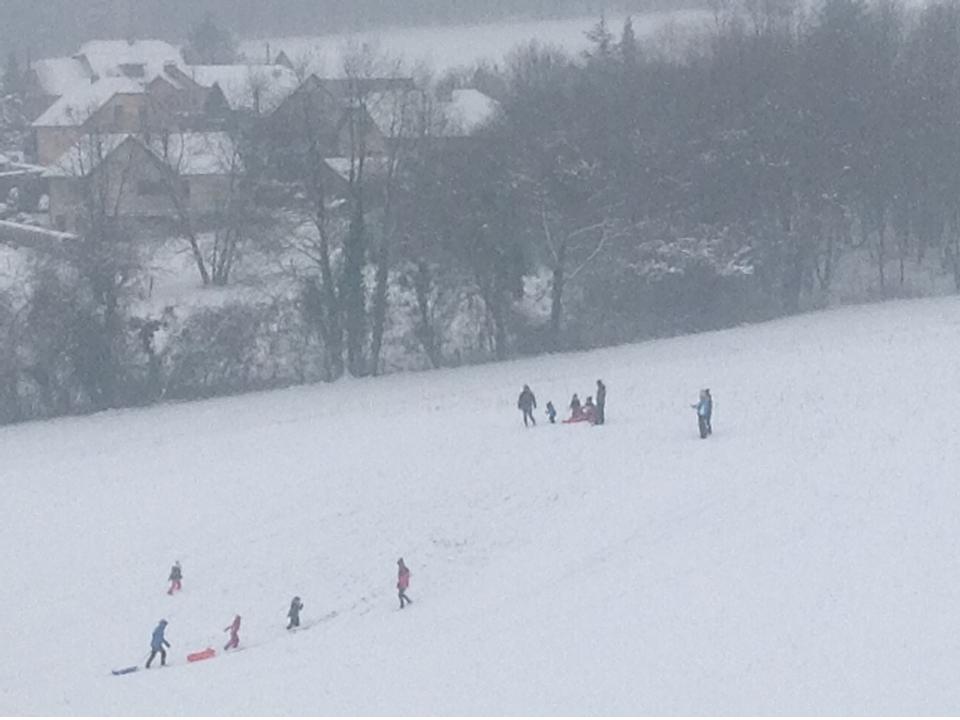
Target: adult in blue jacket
<point x="157" y="644"/>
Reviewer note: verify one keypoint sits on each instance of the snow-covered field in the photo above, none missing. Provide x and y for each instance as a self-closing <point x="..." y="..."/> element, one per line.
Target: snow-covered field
<point x="803" y="560"/>
<point x="443" y="48"/>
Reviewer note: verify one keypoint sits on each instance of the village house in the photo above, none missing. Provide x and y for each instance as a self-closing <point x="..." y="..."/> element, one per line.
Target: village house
<point x="136" y="178"/>
<point x="49" y="79"/>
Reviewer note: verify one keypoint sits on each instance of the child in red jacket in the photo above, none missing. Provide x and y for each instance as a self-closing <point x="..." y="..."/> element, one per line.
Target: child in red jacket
<point x="176" y="576"/>
<point x="403" y="582"/>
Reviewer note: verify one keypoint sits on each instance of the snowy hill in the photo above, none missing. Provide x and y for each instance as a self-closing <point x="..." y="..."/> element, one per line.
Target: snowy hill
<point x="802" y="560"/>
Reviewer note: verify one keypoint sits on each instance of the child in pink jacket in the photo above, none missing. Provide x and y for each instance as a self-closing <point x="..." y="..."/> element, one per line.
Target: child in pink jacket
<point x="403" y="582"/>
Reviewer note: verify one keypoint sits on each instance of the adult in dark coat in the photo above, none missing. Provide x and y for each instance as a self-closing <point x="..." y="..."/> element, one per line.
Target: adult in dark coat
<point x="526" y="403"/>
<point x="601" y="402"/>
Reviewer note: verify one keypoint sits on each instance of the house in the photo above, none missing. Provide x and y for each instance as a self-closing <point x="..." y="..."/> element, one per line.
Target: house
<point x="135" y="178"/>
<point x="135" y="59"/>
<point x="108" y="106"/>
<point x="116" y="105"/>
<point x="319" y="117"/>
<point x="49" y="79"/>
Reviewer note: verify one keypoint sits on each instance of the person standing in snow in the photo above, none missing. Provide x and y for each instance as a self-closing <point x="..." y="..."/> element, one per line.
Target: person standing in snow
<point x="704" y="408"/>
<point x="601" y="402"/>
<point x="576" y="410"/>
<point x="176" y="575"/>
<point x="551" y="413"/>
<point x="294" y="614"/>
<point x="157" y="644"/>
<point x="403" y="582"/>
<point x="234" y="630"/>
<point x="526" y="403"/>
<point x="709" y="411"/>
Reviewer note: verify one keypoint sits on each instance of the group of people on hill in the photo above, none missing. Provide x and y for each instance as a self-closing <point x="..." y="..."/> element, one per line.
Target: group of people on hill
<point x="590" y="411"/>
<point x="595" y="412"/>
<point x="159" y="643"/>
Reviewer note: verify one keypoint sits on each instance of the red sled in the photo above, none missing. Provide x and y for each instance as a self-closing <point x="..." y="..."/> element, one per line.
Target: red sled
<point x="579" y="419"/>
<point x="201" y="655"/>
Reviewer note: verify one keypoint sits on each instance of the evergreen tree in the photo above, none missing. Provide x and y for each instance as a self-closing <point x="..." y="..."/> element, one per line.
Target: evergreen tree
<point x="602" y="40"/>
<point x="210" y="44"/>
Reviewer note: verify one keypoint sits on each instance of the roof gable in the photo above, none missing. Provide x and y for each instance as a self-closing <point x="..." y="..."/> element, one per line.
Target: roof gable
<point x="78" y="105"/>
<point x="248" y="87"/>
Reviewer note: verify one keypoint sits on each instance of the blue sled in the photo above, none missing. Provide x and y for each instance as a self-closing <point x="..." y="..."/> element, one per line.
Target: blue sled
<point x="126" y="670"/>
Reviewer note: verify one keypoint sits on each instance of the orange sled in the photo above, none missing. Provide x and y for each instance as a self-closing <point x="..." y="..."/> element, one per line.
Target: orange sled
<point x="201" y="655"/>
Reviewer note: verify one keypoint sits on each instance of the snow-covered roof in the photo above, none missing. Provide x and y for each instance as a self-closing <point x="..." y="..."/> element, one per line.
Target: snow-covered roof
<point x="240" y="83"/>
<point x="106" y="57"/>
<point x="76" y="106"/>
<point x="397" y="114"/>
<point x="375" y="166"/>
<point x="58" y="75"/>
<point x="196" y="153"/>
<point x="467" y="111"/>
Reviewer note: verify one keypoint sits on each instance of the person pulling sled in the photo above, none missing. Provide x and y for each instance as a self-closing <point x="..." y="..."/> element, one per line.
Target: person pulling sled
<point x="294" y="613"/>
<point x="157" y="644"/>
<point x="234" y="630"/>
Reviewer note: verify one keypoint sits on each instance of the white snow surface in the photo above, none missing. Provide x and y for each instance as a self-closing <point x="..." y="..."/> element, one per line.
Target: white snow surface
<point x="800" y="561"/>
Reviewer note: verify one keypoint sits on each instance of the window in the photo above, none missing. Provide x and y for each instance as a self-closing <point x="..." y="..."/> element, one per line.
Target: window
<point x="150" y="188"/>
<point x="133" y="70"/>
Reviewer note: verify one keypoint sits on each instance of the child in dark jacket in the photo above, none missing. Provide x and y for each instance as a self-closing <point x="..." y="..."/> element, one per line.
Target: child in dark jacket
<point x="176" y="575"/>
<point x="294" y="614"/>
<point x="234" y="630"/>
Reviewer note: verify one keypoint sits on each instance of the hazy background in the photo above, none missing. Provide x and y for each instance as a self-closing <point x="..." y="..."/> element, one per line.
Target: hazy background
<point x="48" y="27"/>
